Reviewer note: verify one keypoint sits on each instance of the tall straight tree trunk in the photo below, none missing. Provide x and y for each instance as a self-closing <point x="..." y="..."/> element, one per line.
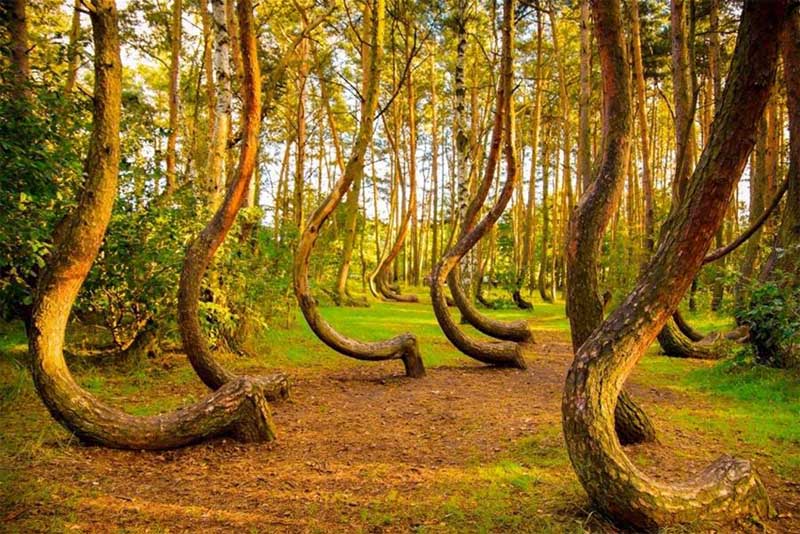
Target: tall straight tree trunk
<point x="644" y="141"/>
<point x="411" y="94"/>
<point x="584" y="129"/>
<point x="682" y="96"/>
<point x="300" y="159"/>
<point x="174" y="94"/>
<point x="238" y="408"/>
<point x="220" y="128"/>
<point x="718" y="289"/>
<point x="529" y="224"/>
<point x="73" y="54"/>
<point x="566" y="126"/>
<point x="460" y="122"/>
<point x="544" y="290"/>
<point x="210" y="89"/>
<point x="729" y="488"/>
<point x="434" y="162"/>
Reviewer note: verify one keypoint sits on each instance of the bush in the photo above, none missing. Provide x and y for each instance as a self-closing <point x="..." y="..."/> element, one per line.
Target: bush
<point x="774" y="320"/>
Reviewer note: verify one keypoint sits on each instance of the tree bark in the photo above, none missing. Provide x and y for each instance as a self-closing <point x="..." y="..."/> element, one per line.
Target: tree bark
<point x="239" y="408"/>
<point x="201" y="251"/>
<point x="16" y="20"/>
<point x="647" y="175"/>
<point x="682" y="89"/>
<point x="502" y="353"/>
<point x="597" y="204"/>
<point x="72" y="49"/>
<point x="584" y="129"/>
<point x="404" y="346"/>
<point x="730" y="487"/>
<point x="529" y="224"/>
<point x="220" y="128"/>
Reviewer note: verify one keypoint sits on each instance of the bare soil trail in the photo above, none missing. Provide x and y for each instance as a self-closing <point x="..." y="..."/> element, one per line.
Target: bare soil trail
<point x="364" y="449"/>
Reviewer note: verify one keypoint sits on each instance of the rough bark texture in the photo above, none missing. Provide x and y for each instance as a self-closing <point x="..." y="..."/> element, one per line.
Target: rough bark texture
<point x="497" y="353"/>
<point x="404" y="346"/>
<point x="598" y="202"/>
<point x="729" y="488"/>
<point x="239" y="408"/>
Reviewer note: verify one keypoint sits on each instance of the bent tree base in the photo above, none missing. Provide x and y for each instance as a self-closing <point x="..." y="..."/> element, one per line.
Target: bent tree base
<point x="729" y="488"/>
<point x="403" y="347"/>
<point x="239" y="408"/>
<point x="676" y="344"/>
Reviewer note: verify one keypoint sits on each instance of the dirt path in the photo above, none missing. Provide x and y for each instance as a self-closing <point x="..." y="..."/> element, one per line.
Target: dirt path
<point x="364" y="450"/>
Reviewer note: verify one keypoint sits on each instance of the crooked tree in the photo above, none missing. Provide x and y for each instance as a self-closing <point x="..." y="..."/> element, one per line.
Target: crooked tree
<point x="201" y="251"/>
<point x="402" y="347"/>
<point x="239" y="407"/>
<point x="729" y="487"/>
<point x="596" y="206"/>
<point x="497" y="353"/>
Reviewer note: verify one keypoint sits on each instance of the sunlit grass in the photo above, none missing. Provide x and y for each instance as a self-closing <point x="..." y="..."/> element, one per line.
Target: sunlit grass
<point x="523" y="488"/>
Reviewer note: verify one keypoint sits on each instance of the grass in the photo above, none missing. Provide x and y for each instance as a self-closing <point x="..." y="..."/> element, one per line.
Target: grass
<point x="523" y="489"/>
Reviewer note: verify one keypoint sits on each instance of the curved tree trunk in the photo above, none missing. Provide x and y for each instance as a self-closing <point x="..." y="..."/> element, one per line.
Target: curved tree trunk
<point x="502" y="353"/>
<point x="730" y="487"/>
<point x="685" y="327"/>
<point x="676" y="344"/>
<point x="517" y="331"/>
<point x="404" y="346"/>
<point x="380" y="278"/>
<point x="595" y="208"/>
<point x="202" y="250"/>
<point x="239" y="408"/>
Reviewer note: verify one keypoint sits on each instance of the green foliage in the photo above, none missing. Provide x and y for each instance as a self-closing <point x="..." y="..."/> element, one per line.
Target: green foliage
<point x="39" y="169"/>
<point x="773" y="316"/>
<point x="135" y="279"/>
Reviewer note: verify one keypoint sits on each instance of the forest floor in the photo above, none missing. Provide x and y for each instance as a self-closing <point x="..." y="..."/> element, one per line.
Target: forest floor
<point x="363" y="449"/>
